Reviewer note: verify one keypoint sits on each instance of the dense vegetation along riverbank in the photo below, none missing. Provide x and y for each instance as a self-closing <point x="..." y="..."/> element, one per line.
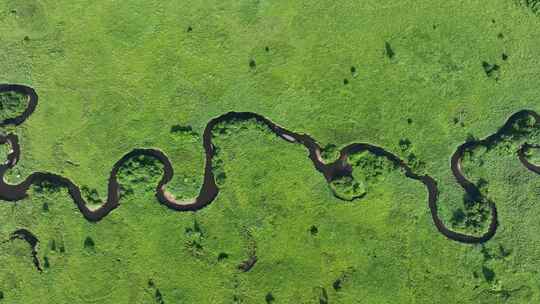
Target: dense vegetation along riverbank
<point x="517" y="124"/>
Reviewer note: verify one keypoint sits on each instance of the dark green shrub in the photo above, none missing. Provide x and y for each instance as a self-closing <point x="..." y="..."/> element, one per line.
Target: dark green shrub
<point x="12" y="104"/>
<point x="347" y="188"/>
<point x="89" y="243"/>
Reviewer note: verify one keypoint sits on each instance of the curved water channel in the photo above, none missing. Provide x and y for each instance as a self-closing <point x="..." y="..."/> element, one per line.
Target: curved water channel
<point x="209" y="189"/>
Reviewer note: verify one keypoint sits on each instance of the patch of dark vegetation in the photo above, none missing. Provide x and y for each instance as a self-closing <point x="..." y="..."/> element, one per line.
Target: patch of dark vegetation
<point x="189" y="29"/>
<point x="139" y="173"/>
<point x="371" y="165"/>
<point x="1" y="295"/>
<point x="267" y="49"/>
<point x="354" y="72"/>
<point x="234" y="124"/>
<point x="500" y="36"/>
<point x="158" y="297"/>
<point x="194" y="239"/>
<point x="184" y="133"/>
<point x="488" y="273"/>
<point x="252" y="64"/>
<point x="491" y="70"/>
<point x="498" y="253"/>
<point x="504" y="56"/>
<point x="342" y="279"/>
<point x="323" y="296"/>
<point x="347" y="188"/>
<point x="222" y="256"/>
<point x="368" y="168"/>
<point x="474" y="214"/>
<point x="91" y="195"/>
<point x="56" y="247"/>
<point x="45" y="188"/>
<point x="404" y="144"/>
<point x="89" y="244"/>
<point x="46" y="263"/>
<point x="314" y="230"/>
<point x="269" y="298"/>
<point x="329" y="152"/>
<point x="460" y="118"/>
<point x="12" y="104"/>
<point x="388" y="50"/>
<point x="219" y="171"/>
<point x="415" y="163"/>
<point x="345" y="81"/>
<point x="521" y="128"/>
<point x="532" y="153"/>
<point x="409" y="121"/>
<point x="181" y="129"/>
<point x="45" y="207"/>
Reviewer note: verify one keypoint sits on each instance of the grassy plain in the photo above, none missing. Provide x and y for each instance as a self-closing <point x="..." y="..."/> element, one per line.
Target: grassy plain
<point x="115" y="75"/>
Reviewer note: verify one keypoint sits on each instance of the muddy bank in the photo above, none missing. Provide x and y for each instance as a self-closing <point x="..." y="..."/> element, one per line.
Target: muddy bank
<point x="209" y="190"/>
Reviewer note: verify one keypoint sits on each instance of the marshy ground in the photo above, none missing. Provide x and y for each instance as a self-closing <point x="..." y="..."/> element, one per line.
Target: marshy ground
<point x="410" y="77"/>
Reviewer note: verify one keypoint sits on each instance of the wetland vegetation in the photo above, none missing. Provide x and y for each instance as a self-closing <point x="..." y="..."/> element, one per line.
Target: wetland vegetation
<point x="143" y="89"/>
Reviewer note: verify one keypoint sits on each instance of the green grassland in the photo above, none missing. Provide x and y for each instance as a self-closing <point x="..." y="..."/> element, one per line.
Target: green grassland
<point x="416" y="77"/>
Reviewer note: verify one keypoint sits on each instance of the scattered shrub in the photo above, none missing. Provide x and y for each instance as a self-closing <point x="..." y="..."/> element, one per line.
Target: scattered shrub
<point x="45" y="188"/>
<point x="89" y="243"/>
<point x="159" y="297"/>
<point x="184" y="133"/>
<point x="354" y="72"/>
<point x="222" y="256"/>
<point x="491" y="70"/>
<point x="314" y="230"/>
<point x="269" y="298"/>
<point x="323" y="296"/>
<point x="388" y="50"/>
<point x="404" y="144"/>
<point x="489" y="274"/>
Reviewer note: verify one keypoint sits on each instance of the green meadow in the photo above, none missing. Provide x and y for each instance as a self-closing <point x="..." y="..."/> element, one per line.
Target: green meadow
<point x="418" y="78"/>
